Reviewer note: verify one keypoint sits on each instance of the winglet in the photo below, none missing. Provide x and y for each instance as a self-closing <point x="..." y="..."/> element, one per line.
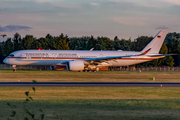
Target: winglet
<point x="145" y="52"/>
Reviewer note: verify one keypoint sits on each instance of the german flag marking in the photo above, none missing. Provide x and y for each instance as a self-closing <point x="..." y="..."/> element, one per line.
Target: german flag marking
<point x="158" y="36"/>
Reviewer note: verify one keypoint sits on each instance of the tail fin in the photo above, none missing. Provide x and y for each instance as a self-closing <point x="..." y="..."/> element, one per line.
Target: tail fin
<point x="156" y="42"/>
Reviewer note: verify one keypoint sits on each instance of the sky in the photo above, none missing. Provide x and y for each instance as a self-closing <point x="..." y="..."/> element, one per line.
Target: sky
<point x="75" y="18"/>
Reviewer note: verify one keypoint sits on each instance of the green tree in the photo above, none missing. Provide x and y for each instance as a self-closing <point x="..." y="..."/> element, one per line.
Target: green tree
<point x="51" y="42"/>
<point x="17" y="41"/>
<point x="116" y="43"/>
<point x="35" y="44"/>
<point x="92" y="43"/>
<point x="140" y="42"/>
<point x="169" y="61"/>
<point x="173" y="44"/>
<point x="125" y="44"/>
<point x="161" y="61"/>
<point x="105" y="43"/>
<point x="27" y="41"/>
<point x="8" y="47"/>
<point x="79" y="43"/>
<point x="62" y="42"/>
<point x="122" y="44"/>
<point x="43" y="43"/>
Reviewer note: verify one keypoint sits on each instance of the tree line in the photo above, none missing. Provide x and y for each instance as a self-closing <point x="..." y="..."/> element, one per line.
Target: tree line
<point x="63" y="42"/>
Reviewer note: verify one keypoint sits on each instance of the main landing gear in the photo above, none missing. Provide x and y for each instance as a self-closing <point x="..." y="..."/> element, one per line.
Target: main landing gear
<point x="91" y="69"/>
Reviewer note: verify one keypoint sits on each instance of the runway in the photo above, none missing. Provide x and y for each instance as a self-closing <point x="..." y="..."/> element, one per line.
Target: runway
<point x="90" y="84"/>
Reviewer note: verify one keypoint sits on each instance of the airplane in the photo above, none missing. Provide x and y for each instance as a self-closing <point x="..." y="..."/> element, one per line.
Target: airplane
<point x="79" y="60"/>
<point x="3" y="35"/>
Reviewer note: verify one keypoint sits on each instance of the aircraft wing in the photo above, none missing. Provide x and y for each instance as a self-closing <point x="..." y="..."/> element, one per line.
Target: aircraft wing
<point x="96" y="61"/>
<point x="99" y="60"/>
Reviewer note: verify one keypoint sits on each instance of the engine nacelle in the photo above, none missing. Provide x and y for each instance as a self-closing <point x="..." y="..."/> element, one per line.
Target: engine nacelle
<point x="57" y="67"/>
<point x="75" y="65"/>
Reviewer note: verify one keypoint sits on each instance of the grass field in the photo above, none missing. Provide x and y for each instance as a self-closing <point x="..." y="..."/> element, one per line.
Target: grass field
<point x="46" y="93"/>
<point x="87" y="103"/>
<point x="98" y="109"/>
<point x="93" y="103"/>
<point x="102" y="76"/>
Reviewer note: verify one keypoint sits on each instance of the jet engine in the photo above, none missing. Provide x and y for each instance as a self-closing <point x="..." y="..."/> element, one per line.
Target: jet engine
<point x="75" y="65"/>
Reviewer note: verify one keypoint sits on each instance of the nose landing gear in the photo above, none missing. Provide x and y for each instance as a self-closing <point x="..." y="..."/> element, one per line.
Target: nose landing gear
<point x="14" y="67"/>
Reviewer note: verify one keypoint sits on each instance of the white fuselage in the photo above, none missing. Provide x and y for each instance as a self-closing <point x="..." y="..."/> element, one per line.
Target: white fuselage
<point x="58" y="57"/>
<point x="78" y="60"/>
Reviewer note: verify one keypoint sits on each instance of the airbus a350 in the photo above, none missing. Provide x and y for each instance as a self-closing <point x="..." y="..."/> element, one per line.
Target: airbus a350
<point x="78" y="60"/>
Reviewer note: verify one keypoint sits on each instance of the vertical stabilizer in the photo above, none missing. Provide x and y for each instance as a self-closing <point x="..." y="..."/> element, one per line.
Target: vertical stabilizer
<point x="156" y="42"/>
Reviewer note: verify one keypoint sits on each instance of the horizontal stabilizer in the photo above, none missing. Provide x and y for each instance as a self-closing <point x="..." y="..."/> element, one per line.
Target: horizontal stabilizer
<point x="161" y="55"/>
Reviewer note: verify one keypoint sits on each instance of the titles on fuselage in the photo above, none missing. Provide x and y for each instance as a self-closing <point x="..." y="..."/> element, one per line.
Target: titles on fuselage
<point x="49" y="55"/>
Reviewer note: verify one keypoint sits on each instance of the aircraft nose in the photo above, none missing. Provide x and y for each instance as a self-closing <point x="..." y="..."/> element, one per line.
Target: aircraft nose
<point x="5" y="60"/>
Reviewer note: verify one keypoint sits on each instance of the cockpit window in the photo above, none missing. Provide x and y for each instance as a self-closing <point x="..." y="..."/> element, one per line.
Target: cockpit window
<point x="11" y="55"/>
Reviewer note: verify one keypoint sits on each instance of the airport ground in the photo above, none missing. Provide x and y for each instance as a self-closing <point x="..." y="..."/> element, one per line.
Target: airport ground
<point x="89" y="103"/>
<point x="101" y="76"/>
